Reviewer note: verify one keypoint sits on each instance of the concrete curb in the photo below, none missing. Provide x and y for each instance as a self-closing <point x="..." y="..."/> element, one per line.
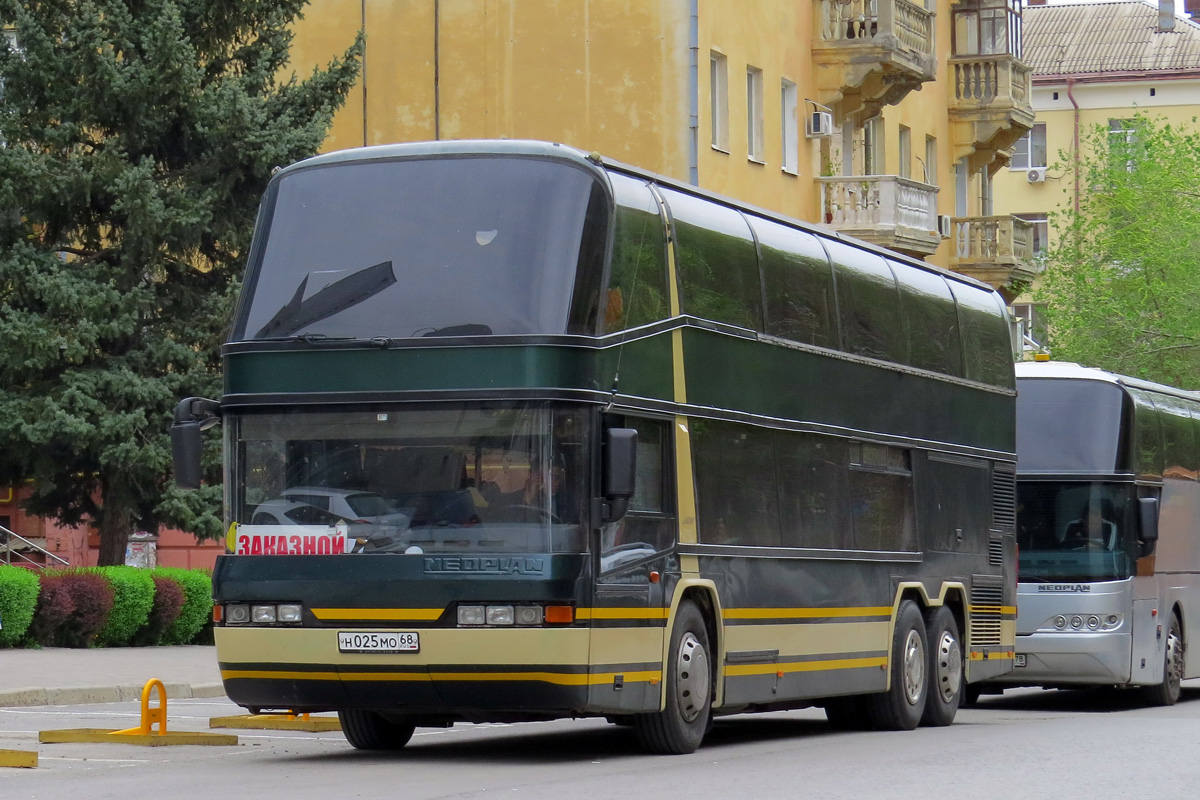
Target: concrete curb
<point x="87" y="695"/>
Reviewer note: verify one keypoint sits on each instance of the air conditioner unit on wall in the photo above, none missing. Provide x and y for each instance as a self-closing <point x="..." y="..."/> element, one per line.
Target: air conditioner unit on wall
<point x="945" y="225"/>
<point x="1036" y="175"/>
<point x="820" y="124"/>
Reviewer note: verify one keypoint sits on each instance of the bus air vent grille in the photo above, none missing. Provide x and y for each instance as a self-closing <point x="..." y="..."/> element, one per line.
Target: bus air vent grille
<point x="986" y="618"/>
<point x="1004" y="499"/>
<point x="995" y="551"/>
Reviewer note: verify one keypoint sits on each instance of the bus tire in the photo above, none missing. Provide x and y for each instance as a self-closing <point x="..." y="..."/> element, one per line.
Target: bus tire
<point x="1167" y="692"/>
<point x="945" y="668"/>
<point x="367" y="730"/>
<point x="680" y="727"/>
<point x="901" y="706"/>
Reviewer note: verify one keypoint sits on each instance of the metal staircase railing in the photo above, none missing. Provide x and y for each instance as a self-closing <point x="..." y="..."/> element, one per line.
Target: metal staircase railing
<point x="7" y="538"/>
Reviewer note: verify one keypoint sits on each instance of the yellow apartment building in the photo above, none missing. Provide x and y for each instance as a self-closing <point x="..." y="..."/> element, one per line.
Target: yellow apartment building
<point x="1094" y="64"/>
<point x="885" y="119"/>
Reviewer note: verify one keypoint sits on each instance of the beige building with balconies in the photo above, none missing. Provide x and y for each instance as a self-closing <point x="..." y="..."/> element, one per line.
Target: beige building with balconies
<point x="1094" y="64"/>
<point x="885" y="119"/>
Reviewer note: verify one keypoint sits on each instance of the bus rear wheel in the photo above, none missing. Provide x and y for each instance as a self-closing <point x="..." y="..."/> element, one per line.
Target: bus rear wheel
<point x="680" y="727"/>
<point x="945" y="669"/>
<point x="1167" y="692"/>
<point x="369" y="730"/>
<point x="900" y="708"/>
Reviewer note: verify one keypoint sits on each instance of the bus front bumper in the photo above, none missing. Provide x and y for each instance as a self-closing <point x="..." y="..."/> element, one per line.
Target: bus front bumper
<point x="1059" y="659"/>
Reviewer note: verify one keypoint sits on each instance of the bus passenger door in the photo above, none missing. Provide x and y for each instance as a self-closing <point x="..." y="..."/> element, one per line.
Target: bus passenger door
<point x="629" y="607"/>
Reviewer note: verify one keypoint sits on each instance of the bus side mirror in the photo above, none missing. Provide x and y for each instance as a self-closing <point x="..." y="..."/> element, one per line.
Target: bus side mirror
<point x="1148" y="519"/>
<point x="619" y="478"/>
<point x="192" y="416"/>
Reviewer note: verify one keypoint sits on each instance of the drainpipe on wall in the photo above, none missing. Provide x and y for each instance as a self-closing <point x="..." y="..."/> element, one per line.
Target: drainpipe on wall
<point x="437" y="63"/>
<point x="1075" y="104"/>
<point x="362" y="16"/>
<point x="694" y="91"/>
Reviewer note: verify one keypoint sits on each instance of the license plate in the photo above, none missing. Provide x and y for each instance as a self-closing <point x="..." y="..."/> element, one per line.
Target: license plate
<point x="1019" y="660"/>
<point x="370" y="642"/>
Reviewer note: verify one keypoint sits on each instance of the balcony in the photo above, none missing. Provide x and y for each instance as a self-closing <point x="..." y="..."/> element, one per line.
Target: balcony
<point x="989" y="106"/>
<point x="871" y="53"/>
<point x="893" y="212"/>
<point x="996" y="250"/>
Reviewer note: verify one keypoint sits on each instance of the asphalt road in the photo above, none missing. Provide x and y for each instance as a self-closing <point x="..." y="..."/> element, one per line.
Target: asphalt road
<point x="1028" y="743"/>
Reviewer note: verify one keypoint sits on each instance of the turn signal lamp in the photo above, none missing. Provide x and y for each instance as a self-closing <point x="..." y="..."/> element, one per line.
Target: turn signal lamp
<point x="560" y="615"/>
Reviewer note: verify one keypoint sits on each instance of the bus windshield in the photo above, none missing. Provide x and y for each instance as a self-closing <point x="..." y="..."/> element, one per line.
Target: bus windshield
<point x="444" y="246"/>
<point x="468" y="480"/>
<point x="1076" y="531"/>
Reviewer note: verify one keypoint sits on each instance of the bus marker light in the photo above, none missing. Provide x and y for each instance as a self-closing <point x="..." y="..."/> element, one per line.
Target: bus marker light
<point x="218" y="613"/>
<point x="499" y="615"/>
<point x="560" y="615"/>
<point x="654" y="576"/>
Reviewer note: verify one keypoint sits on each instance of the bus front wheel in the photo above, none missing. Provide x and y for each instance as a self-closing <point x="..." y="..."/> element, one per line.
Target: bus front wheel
<point x="1167" y="692"/>
<point x="901" y="706"/>
<point x="367" y="730"/>
<point x="680" y="727"/>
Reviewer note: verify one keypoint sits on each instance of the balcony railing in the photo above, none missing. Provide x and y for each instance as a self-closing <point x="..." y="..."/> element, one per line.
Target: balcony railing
<point x="860" y="21"/>
<point x="871" y="53"/>
<point x="886" y="209"/>
<point x="10" y="549"/>
<point x="996" y="249"/>
<point x="990" y="80"/>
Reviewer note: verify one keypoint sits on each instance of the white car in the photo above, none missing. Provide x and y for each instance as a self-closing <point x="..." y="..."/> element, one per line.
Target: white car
<point x="318" y="505"/>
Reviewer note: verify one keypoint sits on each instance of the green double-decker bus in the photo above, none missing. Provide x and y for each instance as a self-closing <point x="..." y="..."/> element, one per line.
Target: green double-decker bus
<point x="513" y="432"/>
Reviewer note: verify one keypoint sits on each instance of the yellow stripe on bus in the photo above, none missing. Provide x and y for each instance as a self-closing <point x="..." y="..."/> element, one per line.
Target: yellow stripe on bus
<point x="806" y="613"/>
<point x="742" y="670"/>
<point x="377" y="613"/>
<point x="621" y="613"/>
<point x="1000" y="656"/>
<point x="560" y="679"/>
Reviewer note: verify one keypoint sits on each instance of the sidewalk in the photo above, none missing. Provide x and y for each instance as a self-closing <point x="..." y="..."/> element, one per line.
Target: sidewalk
<point x="62" y="676"/>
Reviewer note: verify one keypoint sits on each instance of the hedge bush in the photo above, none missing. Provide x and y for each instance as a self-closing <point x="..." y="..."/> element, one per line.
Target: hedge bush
<point x="72" y="608"/>
<point x="168" y="602"/>
<point x="19" y="589"/>
<point x="197" y="603"/>
<point x="133" y="597"/>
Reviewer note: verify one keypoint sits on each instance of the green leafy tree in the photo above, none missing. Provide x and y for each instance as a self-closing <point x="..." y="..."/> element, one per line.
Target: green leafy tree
<point x="1122" y="284"/>
<point x="138" y="136"/>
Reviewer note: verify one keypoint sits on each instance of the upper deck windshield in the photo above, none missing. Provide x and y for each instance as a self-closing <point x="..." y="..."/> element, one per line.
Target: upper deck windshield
<point x="462" y="481"/>
<point x="436" y="246"/>
<point x="1076" y="531"/>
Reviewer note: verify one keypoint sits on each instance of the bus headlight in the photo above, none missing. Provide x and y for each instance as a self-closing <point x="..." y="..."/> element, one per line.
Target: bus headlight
<point x="237" y="614"/>
<point x="470" y="615"/>
<point x="263" y="614"/>
<point x="1081" y="623"/>
<point x="499" y="615"/>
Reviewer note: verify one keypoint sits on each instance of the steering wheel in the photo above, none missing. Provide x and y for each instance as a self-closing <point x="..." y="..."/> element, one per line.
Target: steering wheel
<point x="544" y="514"/>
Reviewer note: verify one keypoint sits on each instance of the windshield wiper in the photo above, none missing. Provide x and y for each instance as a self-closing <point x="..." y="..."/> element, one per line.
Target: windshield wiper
<point x="332" y="299"/>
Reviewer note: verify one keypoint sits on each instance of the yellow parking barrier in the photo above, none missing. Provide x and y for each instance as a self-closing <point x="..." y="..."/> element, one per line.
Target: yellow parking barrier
<point x="145" y="734"/>
<point x="18" y="758"/>
<point x="278" y="722"/>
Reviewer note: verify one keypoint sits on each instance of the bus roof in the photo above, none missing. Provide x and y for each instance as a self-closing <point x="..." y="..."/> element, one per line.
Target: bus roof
<point x="1068" y="369"/>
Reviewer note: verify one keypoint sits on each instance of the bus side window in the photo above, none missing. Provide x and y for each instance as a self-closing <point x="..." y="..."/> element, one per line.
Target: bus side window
<point x="737" y="502"/>
<point x="868" y="304"/>
<point x="987" y="343"/>
<point x="799" y="284"/>
<point x="649" y="525"/>
<point x="637" y="283"/>
<point x="717" y="260"/>
<point x="931" y="320"/>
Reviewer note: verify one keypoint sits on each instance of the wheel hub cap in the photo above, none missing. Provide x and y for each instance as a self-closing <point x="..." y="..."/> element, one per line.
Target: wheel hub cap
<point x="913" y="667"/>
<point x="949" y="666"/>
<point x="692" y="678"/>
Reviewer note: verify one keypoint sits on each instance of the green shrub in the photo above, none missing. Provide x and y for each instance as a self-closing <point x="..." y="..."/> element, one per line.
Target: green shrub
<point x="168" y="601"/>
<point x="197" y="603"/>
<point x="133" y="596"/>
<point x="72" y="608"/>
<point x="19" y="590"/>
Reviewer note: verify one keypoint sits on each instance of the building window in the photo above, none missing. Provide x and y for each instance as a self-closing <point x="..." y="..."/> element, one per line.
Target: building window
<point x="1123" y="135"/>
<point x="1030" y="326"/>
<point x="905" y="152"/>
<point x="1041" y="231"/>
<point x="931" y="161"/>
<point x="719" y="95"/>
<point x="873" y="147"/>
<point x="1030" y="150"/>
<point x="754" y="113"/>
<point x="788" y="101"/>
<point x="987" y="27"/>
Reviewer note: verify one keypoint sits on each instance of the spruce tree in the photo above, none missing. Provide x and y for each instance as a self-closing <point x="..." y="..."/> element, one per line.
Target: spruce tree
<point x="137" y="137"/>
